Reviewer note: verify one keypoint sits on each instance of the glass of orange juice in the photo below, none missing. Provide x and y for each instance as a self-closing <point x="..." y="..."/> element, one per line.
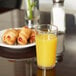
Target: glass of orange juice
<point x="46" y="44"/>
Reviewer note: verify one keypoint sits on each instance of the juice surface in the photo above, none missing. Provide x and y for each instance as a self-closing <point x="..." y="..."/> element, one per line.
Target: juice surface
<point x="46" y="45"/>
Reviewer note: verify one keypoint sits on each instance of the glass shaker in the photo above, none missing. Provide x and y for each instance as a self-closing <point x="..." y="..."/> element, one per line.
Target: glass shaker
<point x="58" y="19"/>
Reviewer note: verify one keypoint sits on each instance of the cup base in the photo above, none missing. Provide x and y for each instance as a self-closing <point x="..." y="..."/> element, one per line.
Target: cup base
<point x="42" y="67"/>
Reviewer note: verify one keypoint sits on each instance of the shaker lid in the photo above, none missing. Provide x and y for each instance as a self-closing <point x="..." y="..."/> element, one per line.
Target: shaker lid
<point x="58" y="1"/>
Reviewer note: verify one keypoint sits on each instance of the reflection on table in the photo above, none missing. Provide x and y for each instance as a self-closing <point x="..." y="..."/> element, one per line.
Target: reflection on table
<point x="44" y="72"/>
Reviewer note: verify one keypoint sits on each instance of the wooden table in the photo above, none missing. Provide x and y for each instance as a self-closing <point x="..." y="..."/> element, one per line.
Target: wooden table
<point x="25" y="62"/>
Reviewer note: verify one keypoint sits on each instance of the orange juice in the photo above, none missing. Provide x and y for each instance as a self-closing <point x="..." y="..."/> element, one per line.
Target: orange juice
<point x="46" y="50"/>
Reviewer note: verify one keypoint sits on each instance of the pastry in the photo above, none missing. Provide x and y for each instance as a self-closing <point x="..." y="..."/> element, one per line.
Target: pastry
<point x="10" y="36"/>
<point x="24" y="35"/>
<point x="20" y="36"/>
<point x="32" y="36"/>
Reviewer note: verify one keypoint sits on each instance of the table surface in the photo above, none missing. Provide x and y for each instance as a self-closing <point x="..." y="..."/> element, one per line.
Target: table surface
<point x="23" y="62"/>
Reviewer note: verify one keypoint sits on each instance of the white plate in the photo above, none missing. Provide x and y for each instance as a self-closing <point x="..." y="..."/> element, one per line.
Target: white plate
<point x="13" y="46"/>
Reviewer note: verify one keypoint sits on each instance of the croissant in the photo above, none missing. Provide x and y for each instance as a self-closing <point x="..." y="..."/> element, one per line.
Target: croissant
<point x="10" y="36"/>
<point x="32" y="37"/>
<point x="24" y="35"/>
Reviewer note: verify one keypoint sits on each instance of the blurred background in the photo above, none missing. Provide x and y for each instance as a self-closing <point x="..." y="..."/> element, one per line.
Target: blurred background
<point x="68" y="4"/>
<point x="15" y="17"/>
